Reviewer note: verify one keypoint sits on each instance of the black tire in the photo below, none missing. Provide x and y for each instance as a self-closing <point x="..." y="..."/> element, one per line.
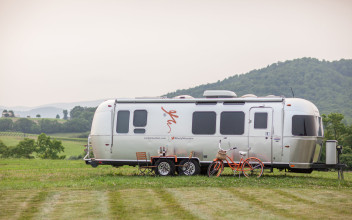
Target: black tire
<point x="204" y="170"/>
<point x="164" y="167"/>
<point x="215" y="168"/>
<point x="189" y="168"/>
<point x="252" y="167"/>
<point x="94" y="164"/>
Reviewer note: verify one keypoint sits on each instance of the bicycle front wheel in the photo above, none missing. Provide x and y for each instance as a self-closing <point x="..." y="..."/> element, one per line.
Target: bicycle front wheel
<point x="252" y="167"/>
<point x="216" y="168"/>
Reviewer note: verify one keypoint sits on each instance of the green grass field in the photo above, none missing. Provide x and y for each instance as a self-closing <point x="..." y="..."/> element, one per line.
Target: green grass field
<point x="69" y="189"/>
<point x="73" y="146"/>
<point x="64" y="189"/>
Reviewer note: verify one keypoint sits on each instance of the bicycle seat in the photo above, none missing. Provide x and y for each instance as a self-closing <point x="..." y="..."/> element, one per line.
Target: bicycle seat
<point x="243" y="153"/>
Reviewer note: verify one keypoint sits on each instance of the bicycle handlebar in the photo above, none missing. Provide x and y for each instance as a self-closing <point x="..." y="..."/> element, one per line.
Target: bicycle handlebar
<point x="224" y="149"/>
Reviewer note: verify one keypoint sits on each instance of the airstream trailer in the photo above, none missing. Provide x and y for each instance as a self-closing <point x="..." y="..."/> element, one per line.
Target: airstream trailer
<point x="285" y="133"/>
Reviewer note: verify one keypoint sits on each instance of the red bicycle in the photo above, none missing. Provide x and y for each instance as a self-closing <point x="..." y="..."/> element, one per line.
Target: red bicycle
<point x="250" y="167"/>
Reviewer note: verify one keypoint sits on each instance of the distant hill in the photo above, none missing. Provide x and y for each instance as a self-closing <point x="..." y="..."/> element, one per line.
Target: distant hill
<point x="50" y="110"/>
<point x="327" y="84"/>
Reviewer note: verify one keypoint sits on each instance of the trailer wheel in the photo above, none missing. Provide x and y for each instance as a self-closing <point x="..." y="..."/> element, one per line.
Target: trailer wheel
<point x="164" y="167"/>
<point x="94" y="164"/>
<point x="189" y="168"/>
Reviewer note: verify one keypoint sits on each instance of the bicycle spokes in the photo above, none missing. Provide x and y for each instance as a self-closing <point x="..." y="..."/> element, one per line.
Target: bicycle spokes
<point x="215" y="168"/>
<point x="252" y="167"/>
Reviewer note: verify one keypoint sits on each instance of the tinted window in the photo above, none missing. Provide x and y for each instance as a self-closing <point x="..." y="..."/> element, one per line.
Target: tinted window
<point x="233" y="103"/>
<point x="232" y="123"/>
<point x="261" y="120"/>
<point x="304" y="125"/>
<point x="123" y="120"/>
<point x="140" y="118"/>
<point x="320" y="132"/>
<point x="139" y="131"/>
<point x="204" y="123"/>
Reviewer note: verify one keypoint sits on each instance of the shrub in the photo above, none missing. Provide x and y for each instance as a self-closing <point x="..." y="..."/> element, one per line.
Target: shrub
<point x="24" y="149"/>
<point x="346" y="159"/>
<point x="3" y="149"/>
<point x="49" y="149"/>
<point x="6" y="124"/>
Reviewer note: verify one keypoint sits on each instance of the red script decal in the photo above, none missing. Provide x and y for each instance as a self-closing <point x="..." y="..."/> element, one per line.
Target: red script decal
<point x="173" y="115"/>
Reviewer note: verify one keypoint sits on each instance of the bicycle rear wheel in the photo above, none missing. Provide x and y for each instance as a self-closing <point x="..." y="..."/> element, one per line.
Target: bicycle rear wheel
<point x="216" y="168"/>
<point x="252" y="167"/>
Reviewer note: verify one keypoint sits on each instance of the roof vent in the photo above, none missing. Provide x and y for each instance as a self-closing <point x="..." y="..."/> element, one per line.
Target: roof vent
<point x="219" y="94"/>
<point x="249" y="96"/>
<point x="183" y="97"/>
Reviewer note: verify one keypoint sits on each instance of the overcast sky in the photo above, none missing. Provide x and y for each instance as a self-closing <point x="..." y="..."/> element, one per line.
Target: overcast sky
<point x="65" y="50"/>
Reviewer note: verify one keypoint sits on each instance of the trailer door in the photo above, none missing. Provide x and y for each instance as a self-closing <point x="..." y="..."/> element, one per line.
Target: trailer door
<point x="260" y="133"/>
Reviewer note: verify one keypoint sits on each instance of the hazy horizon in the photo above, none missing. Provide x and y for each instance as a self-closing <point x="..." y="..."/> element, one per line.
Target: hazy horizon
<point x="73" y="51"/>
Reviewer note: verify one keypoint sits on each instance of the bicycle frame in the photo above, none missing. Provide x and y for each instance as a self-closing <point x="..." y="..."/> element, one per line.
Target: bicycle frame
<point x="233" y="165"/>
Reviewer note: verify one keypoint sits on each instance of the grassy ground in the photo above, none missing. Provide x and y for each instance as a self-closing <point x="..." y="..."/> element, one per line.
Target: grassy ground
<point x="63" y="189"/>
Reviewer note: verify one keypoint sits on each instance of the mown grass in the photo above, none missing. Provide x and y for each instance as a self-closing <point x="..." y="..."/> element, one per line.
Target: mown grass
<point x="70" y="189"/>
<point x="53" y="174"/>
<point x="64" y="189"/>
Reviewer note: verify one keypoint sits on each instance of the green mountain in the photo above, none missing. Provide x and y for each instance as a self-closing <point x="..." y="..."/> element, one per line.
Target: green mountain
<point x="327" y="84"/>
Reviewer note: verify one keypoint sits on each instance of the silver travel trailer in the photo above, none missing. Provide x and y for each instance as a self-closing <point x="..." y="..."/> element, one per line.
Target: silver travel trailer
<point x="284" y="133"/>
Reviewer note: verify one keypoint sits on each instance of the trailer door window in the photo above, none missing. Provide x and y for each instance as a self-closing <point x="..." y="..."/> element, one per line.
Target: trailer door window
<point x="261" y="120"/>
<point x="204" y="123"/>
<point x="123" y="121"/>
<point x="232" y="123"/>
<point x="140" y="118"/>
<point x="304" y="125"/>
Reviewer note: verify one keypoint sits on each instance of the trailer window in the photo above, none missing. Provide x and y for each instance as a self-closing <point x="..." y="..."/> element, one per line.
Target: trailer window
<point x="139" y="131"/>
<point x="320" y="130"/>
<point x="261" y="120"/>
<point x="140" y="118"/>
<point x="304" y="125"/>
<point x="123" y="121"/>
<point x="232" y="123"/>
<point x="204" y="123"/>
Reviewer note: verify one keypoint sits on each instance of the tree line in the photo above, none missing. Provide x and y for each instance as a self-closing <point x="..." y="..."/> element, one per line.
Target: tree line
<point x="327" y="84"/>
<point x="80" y="121"/>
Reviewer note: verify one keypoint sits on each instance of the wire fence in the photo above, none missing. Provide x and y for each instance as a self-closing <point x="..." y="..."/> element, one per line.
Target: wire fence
<point x="17" y="134"/>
